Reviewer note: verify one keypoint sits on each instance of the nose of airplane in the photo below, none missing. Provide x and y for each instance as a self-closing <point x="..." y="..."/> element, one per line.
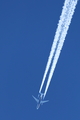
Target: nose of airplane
<point x="37" y="107"/>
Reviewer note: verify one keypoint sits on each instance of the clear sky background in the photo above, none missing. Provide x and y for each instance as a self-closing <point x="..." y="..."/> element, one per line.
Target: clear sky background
<point x="27" y="29"/>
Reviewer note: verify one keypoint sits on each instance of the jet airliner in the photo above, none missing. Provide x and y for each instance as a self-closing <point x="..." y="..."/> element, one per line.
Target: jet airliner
<point x="40" y="100"/>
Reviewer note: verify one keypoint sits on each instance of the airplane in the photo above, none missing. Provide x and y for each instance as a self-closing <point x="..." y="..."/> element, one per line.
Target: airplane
<point x="40" y="100"/>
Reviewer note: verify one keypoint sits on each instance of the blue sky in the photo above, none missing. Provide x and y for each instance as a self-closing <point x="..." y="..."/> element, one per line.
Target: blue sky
<point x="27" y="29"/>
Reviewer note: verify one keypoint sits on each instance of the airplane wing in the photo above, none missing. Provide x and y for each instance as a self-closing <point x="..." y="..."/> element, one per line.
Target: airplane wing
<point x="44" y="101"/>
<point x="35" y="98"/>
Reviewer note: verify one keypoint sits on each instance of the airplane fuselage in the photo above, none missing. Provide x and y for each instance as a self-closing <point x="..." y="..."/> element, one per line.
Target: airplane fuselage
<point x="40" y="98"/>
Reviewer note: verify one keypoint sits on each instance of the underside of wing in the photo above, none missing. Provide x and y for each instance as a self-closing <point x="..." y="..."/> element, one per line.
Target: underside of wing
<point x="44" y="101"/>
<point x="35" y="98"/>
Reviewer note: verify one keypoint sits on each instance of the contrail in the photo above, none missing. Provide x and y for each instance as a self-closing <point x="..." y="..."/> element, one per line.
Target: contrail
<point x="63" y="25"/>
<point x="55" y="42"/>
<point x="70" y="7"/>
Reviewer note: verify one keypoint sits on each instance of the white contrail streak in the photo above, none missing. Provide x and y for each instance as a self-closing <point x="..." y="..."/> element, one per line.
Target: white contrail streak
<point x="63" y="25"/>
<point x="56" y="39"/>
<point x="70" y="7"/>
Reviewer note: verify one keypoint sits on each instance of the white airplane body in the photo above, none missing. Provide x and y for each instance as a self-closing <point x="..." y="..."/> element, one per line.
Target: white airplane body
<point x="40" y="100"/>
